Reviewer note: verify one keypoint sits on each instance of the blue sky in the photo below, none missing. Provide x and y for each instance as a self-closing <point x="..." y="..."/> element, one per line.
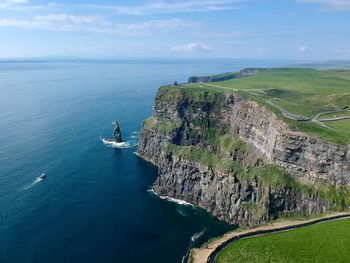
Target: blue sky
<point x="275" y="29"/>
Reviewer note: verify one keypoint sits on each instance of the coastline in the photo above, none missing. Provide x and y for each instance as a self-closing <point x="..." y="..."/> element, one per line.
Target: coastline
<point x="170" y="199"/>
<point x="209" y="251"/>
<point x="145" y="159"/>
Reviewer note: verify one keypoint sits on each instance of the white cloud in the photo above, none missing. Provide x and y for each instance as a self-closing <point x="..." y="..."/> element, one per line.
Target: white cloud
<point x="335" y="5"/>
<point x="54" y="22"/>
<point x="93" y="23"/>
<point x="341" y="50"/>
<point x="6" y="4"/>
<point x="23" y="6"/>
<point x="192" y="47"/>
<point x="303" y="49"/>
<point x="232" y="34"/>
<point x="159" y="24"/>
<point x="13" y="2"/>
<point x="162" y="6"/>
<point x="68" y="19"/>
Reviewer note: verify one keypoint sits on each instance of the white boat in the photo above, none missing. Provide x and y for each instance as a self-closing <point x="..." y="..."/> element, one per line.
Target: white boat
<point x="42" y="176"/>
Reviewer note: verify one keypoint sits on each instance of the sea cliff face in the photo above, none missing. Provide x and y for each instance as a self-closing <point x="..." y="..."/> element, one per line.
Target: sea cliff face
<point x="235" y="158"/>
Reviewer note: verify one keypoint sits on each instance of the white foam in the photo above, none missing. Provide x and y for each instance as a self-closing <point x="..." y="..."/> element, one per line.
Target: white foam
<point x="170" y="199"/>
<point x="37" y="180"/>
<point x="134" y="134"/>
<point x="130" y="143"/>
<point x="118" y="145"/>
<point x="195" y="236"/>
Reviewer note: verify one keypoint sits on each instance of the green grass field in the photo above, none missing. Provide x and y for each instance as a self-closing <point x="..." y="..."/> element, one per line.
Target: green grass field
<point x="337" y="114"/>
<point x="341" y="125"/>
<point x="300" y="91"/>
<point x="327" y="242"/>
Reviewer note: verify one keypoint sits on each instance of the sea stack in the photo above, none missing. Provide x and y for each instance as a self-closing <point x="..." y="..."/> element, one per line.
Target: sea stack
<point x="117" y="135"/>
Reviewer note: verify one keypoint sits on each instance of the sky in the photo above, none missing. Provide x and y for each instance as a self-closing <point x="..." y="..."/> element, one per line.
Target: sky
<point x="251" y="29"/>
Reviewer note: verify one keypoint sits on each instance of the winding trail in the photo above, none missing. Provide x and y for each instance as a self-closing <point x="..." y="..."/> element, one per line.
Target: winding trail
<point x="287" y="114"/>
<point x="293" y="116"/>
<point x="335" y="118"/>
<point x="208" y="252"/>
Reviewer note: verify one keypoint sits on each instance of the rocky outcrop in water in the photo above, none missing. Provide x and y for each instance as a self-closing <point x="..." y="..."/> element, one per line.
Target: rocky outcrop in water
<point x="236" y="159"/>
<point x="117" y="135"/>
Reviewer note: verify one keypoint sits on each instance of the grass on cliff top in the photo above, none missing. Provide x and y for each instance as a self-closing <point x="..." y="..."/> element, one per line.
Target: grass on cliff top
<point x="327" y="242"/>
<point x="224" y="76"/>
<point x="302" y="91"/>
<point x="195" y="92"/>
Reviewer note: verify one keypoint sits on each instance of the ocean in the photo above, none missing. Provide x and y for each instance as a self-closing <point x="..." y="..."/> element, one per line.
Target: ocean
<point x="95" y="204"/>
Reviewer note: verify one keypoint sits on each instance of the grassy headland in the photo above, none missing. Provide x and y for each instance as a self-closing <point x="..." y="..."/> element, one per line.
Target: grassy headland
<point x="326" y="242"/>
<point x="317" y="96"/>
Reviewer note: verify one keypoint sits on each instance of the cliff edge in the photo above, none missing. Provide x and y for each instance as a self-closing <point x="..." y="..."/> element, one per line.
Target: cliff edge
<point x="229" y="154"/>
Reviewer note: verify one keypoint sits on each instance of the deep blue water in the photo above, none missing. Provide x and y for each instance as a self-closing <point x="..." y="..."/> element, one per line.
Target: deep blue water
<point x="94" y="205"/>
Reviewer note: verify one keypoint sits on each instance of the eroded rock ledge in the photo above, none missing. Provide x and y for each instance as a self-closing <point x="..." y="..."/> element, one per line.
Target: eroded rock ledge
<point x="226" y="153"/>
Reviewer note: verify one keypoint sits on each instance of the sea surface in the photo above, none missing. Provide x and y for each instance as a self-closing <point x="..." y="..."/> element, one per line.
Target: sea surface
<point x="95" y="204"/>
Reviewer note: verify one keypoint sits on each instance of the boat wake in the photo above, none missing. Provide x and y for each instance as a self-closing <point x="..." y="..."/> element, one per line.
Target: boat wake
<point x="184" y="210"/>
<point x="37" y="180"/>
<point x="193" y="243"/>
<point x="130" y="143"/>
<point x="196" y="236"/>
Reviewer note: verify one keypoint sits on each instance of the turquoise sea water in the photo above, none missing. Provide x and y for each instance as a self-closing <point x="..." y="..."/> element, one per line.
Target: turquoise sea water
<point x="94" y="205"/>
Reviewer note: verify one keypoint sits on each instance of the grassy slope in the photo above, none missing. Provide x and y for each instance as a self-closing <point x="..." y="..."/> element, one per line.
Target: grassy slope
<point x="326" y="242"/>
<point x="337" y="114"/>
<point x="341" y="124"/>
<point x="305" y="92"/>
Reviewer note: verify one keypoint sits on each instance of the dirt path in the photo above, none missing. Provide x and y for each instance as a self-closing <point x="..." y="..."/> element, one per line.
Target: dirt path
<point x="335" y="118"/>
<point x="205" y="253"/>
<point x="289" y="115"/>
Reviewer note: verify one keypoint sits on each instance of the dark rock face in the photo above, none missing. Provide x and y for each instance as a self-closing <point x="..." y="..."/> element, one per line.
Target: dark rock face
<point x="248" y="72"/>
<point x="232" y="200"/>
<point x="244" y="202"/>
<point x="117" y="135"/>
<point x="201" y="79"/>
<point x="306" y="158"/>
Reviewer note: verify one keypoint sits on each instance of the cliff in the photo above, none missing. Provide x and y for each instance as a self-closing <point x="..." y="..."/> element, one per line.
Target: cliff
<point x="234" y="157"/>
<point x="225" y="76"/>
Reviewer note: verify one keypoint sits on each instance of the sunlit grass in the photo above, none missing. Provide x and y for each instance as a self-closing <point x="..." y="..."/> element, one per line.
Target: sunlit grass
<point x="323" y="243"/>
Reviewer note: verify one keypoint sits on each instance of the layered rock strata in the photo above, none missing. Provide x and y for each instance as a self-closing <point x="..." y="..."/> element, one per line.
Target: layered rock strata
<point x="237" y="159"/>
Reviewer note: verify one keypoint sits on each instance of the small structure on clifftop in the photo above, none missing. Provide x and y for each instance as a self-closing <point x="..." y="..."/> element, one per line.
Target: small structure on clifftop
<point x="117" y="135"/>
